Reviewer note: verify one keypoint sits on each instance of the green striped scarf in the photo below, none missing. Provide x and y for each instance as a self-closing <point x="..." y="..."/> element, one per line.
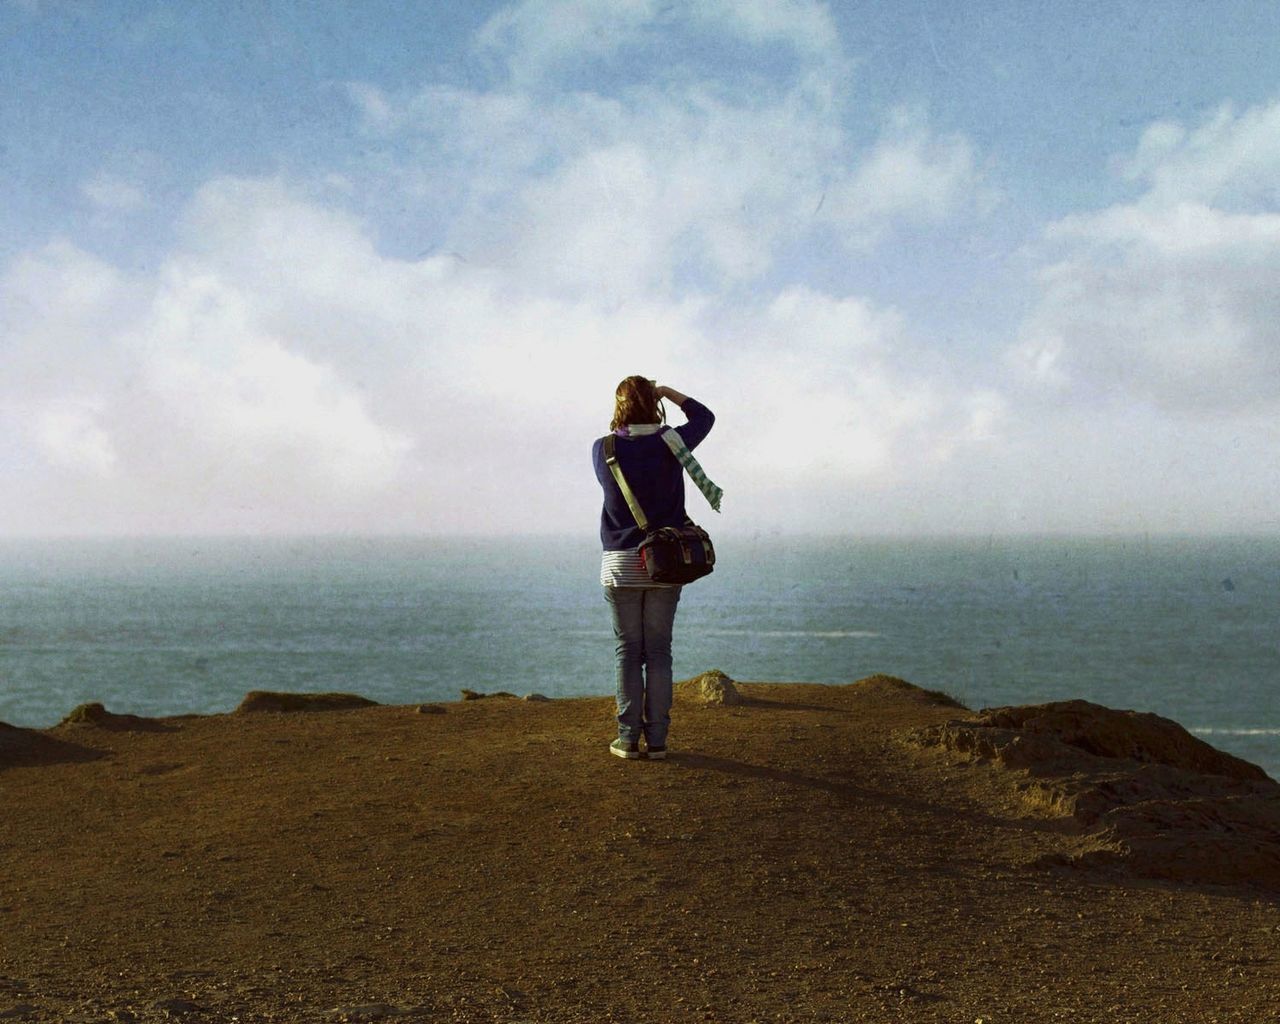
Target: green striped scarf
<point x="677" y="446"/>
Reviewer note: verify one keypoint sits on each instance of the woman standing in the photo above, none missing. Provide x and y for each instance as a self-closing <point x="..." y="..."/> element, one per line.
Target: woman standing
<point x="643" y="611"/>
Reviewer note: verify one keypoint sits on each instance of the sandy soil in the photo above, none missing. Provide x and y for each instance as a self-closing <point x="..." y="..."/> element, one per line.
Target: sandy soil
<point x="793" y="860"/>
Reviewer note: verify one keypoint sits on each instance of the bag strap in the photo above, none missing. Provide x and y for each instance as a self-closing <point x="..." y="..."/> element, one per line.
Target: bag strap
<point x="611" y="457"/>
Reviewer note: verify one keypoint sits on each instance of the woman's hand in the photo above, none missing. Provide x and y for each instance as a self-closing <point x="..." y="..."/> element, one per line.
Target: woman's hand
<point x="662" y="391"/>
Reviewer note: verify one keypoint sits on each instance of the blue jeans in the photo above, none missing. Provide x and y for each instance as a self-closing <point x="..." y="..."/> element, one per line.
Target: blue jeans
<point x="643" y="618"/>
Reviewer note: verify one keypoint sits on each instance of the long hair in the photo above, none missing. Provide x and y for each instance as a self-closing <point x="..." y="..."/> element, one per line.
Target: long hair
<point x="636" y="401"/>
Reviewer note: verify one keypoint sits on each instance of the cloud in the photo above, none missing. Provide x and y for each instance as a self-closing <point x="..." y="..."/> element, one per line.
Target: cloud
<point x="806" y="26"/>
<point x="538" y="36"/>
<point x="278" y="368"/>
<point x="58" y="305"/>
<point x="71" y="438"/>
<point x="689" y="180"/>
<point x="910" y="174"/>
<point x="1228" y="160"/>
<point x="372" y="104"/>
<point x="249" y="406"/>
<point x="110" y="193"/>
<point x="1170" y="299"/>
<point x="845" y="398"/>
<point x="178" y="384"/>
<point x="538" y="39"/>
<point x="275" y="364"/>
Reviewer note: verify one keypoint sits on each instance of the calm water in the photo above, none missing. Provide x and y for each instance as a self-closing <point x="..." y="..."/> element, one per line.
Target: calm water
<point x="1185" y="628"/>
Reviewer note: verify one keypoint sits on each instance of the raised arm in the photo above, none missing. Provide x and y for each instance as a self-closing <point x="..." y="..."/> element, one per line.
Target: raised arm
<point x="665" y="392"/>
<point x="700" y="417"/>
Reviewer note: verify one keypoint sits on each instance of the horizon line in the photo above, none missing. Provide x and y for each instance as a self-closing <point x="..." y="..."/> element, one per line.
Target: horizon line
<point x="733" y="534"/>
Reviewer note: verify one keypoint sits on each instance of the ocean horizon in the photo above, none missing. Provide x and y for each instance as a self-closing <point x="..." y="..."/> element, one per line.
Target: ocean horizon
<point x="1178" y="625"/>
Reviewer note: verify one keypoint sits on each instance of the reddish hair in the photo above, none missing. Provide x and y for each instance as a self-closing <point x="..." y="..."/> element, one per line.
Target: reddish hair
<point x="636" y="401"/>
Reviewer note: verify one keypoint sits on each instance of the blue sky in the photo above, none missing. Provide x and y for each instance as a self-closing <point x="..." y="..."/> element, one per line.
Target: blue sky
<point x="998" y="267"/>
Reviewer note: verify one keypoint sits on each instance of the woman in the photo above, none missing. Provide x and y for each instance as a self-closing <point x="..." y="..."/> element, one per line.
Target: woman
<point x="643" y="611"/>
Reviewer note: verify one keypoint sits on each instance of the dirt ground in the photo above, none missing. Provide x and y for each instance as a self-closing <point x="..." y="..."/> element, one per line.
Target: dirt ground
<point x="792" y="860"/>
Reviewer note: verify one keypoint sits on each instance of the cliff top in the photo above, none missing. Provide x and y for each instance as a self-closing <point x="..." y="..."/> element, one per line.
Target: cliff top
<point x="867" y="851"/>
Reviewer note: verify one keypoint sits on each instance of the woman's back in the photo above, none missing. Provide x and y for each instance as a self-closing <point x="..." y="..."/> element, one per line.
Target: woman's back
<point x="652" y="472"/>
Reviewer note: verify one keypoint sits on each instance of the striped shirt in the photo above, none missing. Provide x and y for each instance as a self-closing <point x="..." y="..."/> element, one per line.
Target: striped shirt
<point x="624" y="569"/>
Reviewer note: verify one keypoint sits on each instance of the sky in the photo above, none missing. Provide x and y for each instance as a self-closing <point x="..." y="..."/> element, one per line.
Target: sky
<point x="376" y="268"/>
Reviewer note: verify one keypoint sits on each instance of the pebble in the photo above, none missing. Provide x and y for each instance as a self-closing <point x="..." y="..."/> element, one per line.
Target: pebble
<point x="365" y="1011"/>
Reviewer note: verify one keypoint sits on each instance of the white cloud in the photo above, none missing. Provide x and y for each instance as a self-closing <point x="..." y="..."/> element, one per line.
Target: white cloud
<point x="371" y="103"/>
<point x="672" y="186"/>
<point x="1229" y="160"/>
<point x="535" y="39"/>
<point x="58" y="307"/>
<point x="178" y="384"/>
<point x="71" y="438"/>
<point x="910" y="173"/>
<point x="1170" y="299"/>
<point x="246" y="407"/>
<point x="538" y="36"/>
<point x="278" y="370"/>
<point x="802" y="24"/>
<point x="111" y="193"/>
<point x="840" y="396"/>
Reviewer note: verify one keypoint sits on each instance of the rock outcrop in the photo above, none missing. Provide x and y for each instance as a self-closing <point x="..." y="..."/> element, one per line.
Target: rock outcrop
<point x="268" y="700"/>
<point x="710" y="689"/>
<point x="1139" y="790"/>
<point x="1106" y="732"/>
<point x="894" y="688"/>
<point x="97" y="715"/>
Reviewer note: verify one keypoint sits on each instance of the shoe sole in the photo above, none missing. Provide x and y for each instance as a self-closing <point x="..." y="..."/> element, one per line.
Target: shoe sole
<point x="656" y="755"/>
<point x="627" y="754"/>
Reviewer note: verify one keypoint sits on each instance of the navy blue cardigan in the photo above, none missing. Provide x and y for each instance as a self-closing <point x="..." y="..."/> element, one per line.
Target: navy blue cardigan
<point x="655" y="476"/>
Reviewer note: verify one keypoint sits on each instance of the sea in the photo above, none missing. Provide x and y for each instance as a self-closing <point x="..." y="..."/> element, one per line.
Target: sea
<point x="1188" y="628"/>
